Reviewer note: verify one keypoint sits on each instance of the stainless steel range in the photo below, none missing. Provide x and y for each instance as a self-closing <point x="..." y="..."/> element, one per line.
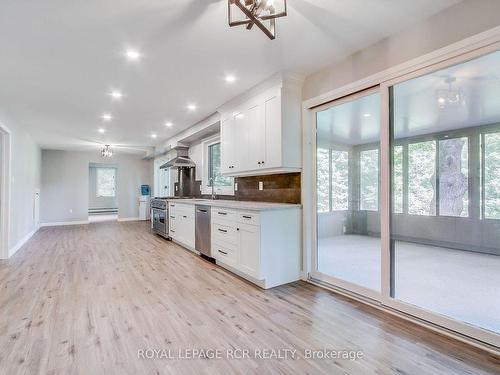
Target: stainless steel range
<point x="159" y="216"/>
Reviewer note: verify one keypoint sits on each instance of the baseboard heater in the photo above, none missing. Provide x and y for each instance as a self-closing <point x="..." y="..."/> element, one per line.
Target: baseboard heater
<point x="103" y="211"/>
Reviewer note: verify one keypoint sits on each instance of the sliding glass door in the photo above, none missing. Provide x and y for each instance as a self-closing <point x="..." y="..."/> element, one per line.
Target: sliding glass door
<point x="407" y="208"/>
<point x="348" y="178"/>
<point x="445" y="220"/>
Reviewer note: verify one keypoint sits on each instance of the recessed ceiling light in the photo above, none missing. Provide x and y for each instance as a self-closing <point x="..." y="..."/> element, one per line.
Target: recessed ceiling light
<point x="133" y="54"/>
<point x="168" y="124"/>
<point x="115" y="94"/>
<point x="230" y="78"/>
<point x="107" y="117"/>
<point x="153" y="136"/>
<point x="102" y="130"/>
<point x="367" y="115"/>
<point x="192" y="107"/>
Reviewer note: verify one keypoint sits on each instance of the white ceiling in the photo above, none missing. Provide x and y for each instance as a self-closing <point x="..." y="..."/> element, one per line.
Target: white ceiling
<point x="60" y="59"/>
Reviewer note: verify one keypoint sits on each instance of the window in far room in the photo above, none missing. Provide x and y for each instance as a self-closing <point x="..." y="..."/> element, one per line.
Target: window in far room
<point x="106" y="182"/>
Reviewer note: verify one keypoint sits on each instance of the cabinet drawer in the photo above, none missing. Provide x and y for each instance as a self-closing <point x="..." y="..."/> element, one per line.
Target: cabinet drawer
<point x="173" y="220"/>
<point x="224" y="233"/>
<point x="223" y="214"/>
<point x="181" y="210"/>
<point x="173" y="233"/>
<point x="250" y="218"/>
<point x="225" y="253"/>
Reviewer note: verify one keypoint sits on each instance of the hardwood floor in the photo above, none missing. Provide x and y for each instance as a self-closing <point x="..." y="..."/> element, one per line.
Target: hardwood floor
<point x="88" y="299"/>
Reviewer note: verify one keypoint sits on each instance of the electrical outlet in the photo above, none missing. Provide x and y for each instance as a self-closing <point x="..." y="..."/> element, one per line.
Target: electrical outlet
<point x="261" y="185"/>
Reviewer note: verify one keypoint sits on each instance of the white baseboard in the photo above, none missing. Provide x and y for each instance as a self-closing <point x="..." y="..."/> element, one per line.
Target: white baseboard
<point x="129" y="219"/>
<point x="62" y="223"/>
<point x="20" y="244"/>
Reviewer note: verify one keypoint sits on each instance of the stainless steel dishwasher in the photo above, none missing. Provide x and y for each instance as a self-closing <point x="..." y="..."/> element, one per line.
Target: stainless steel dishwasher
<point x="203" y="231"/>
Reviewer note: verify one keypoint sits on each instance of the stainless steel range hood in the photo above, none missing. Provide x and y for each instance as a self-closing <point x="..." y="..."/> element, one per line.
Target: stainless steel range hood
<point x="181" y="160"/>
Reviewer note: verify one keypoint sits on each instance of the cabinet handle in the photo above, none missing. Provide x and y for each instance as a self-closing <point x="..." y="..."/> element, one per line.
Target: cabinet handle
<point x="171" y="230"/>
<point x="238" y="229"/>
<point x="172" y="217"/>
<point x="262" y="162"/>
<point x="258" y="162"/>
<point x="185" y="217"/>
<point x="246" y="217"/>
<point x="172" y="205"/>
<point x="222" y="252"/>
<point x="200" y="210"/>
<point x="222" y="213"/>
<point x="222" y="230"/>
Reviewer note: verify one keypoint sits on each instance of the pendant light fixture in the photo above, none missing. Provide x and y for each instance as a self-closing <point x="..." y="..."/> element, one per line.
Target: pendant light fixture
<point x="258" y="12"/>
<point x="106" y="151"/>
<point x="449" y="96"/>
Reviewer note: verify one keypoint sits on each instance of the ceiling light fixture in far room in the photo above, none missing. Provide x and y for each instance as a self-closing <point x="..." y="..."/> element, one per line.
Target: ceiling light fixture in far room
<point x="101" y="130"/>
<point x="230" y="78"/>
<point x="168" y="124"/>
<point x="450" y="95"/>
<point x="106" y="151"/>
<point x="154" y="136"/>
<point x="116" y="95"/>
<point x="107" y="117"/>
<point x="258" y="12"/>
<point x="133" y="54"/>
<point x="192" y="107"/>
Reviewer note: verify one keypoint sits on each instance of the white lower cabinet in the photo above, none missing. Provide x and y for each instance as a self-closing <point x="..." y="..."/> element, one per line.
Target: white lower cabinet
<point x="249" y="244"/>
<point x="262" y="246"/>
<point x="182" y="224"/>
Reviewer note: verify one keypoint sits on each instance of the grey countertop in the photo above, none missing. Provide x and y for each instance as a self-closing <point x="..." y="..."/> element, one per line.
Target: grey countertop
<point x="238" y="205"/>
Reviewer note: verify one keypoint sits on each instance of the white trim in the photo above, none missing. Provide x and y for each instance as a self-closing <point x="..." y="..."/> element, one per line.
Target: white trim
<point x="130" y="219"/>
<point x="205" y="189"/>
<point x="20" y="244"/>
<point x="459" y="52"/>
<point x="5" y="184"/>
<point x="63" y="223"/>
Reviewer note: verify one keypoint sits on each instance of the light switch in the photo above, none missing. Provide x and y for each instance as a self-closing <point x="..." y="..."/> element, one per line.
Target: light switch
<point x="235" y="186"/>
<point x="261" y="185"/>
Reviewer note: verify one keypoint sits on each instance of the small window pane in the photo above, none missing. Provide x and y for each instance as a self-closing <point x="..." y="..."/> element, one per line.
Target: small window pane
<point x="106" y="185"/>
<point x="453" y="177"/>
<point x="421" y="178"/>
<point x="492" y="176"/>
<point x="214" y="173"/>
<point x="369" y="180"/>
<point x="397" y="184"/>
<point x="340" y="180"/>
<point x="323" y="175"/>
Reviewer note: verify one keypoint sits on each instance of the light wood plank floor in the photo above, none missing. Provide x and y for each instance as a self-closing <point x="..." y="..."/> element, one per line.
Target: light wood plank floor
<point x="86" y="299"/>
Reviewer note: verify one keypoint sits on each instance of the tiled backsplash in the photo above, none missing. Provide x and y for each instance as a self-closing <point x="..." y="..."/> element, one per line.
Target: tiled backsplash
<point x="280" y="188"/>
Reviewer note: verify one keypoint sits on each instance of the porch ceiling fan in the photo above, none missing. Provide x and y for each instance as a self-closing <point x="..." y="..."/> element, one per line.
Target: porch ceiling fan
<point x="257" y="12"/>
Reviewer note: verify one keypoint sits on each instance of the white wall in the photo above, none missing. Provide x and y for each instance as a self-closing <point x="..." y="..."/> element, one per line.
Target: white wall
<point x="65" y="184"/>
<point x="25" y="180"/>
<point x="458" y="22"/>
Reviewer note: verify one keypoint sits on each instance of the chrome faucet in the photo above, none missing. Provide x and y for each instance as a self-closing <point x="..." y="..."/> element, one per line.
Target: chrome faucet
<point x="214" y="196"/>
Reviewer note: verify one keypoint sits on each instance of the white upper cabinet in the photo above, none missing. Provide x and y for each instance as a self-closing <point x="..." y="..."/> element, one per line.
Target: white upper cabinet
<point x="261" y="130"/>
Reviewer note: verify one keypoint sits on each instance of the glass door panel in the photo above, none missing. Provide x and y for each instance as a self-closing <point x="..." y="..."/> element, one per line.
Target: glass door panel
<point x="445" y="220"/>
<point x="348" y="199"/>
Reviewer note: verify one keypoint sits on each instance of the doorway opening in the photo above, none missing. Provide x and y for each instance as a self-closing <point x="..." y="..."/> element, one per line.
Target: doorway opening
<point x="4" y="191"/>
<point x="103" y="201"/>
